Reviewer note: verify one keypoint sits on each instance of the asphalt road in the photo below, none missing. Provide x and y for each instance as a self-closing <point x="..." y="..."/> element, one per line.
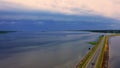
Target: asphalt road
<point x="93" y="60"/>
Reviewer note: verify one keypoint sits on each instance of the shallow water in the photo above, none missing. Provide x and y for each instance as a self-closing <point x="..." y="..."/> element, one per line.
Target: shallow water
<point x="115" y="52"/>
<point x="44" y="49"/>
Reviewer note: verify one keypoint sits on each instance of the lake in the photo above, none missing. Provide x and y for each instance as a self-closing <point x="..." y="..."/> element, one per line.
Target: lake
<point x="58" y="49"/>
<point x="114" y="52"/>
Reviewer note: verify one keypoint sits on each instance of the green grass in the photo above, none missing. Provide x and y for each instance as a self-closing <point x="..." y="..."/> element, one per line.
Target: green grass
<point x="101" y="56"/>
<point x="92" y="43"/>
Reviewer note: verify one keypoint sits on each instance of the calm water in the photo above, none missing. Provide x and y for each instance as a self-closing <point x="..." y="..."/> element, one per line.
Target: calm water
<point x="44" y="49"/>
<point x="115" y="52"/>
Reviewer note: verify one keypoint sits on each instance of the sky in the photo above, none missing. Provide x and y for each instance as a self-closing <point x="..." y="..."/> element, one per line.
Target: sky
<point x="92" y="10"/>
<point x="108" y="8"/>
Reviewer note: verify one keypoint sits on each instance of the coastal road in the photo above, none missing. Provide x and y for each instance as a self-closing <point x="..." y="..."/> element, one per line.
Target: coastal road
<point x="93" y="60"/>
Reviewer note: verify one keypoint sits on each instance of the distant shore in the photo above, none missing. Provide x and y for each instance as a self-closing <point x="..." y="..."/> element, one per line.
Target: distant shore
<point x="4" y="32"/>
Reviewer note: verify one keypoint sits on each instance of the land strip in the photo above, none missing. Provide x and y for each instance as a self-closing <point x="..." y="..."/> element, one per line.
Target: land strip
<point x="89" y="58"/>
<point x="98" y="56"/>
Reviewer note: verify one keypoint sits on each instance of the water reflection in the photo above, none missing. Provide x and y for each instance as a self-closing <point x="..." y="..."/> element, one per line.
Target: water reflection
<point x="43" y="49"/>
<point x="114" y="52"/>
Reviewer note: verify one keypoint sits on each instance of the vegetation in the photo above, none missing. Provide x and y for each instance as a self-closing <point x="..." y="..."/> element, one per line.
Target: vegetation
<point x="104" y="55"/>
<point x="100" y="31"/>
<point x="4" y="32"/>
<point x="104" y="31"/>
<point x="92" y="43"/>
<point x="100" y="59"/>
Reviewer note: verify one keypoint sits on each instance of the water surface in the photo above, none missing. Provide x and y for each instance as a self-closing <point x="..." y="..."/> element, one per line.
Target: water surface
<point x="44" y="49"/>
<point x="115" y="52"/>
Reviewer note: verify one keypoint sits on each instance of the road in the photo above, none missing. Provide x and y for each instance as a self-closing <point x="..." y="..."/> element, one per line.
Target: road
<point x="93" y="60"/>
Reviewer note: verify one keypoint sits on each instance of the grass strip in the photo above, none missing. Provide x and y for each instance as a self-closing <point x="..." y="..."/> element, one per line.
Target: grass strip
<point x="101" y="57"/>
<point x="92" y="43"/>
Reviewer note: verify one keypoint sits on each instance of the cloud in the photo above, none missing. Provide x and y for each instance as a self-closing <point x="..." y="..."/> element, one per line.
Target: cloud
<point x="4" y="22"/>
<point x="114" y="25"/>
<point x="108" y="8"/>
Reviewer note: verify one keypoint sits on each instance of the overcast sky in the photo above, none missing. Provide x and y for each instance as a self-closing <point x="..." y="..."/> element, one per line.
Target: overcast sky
<point x="68" y="14"/>
<point x="107" y="8"/>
